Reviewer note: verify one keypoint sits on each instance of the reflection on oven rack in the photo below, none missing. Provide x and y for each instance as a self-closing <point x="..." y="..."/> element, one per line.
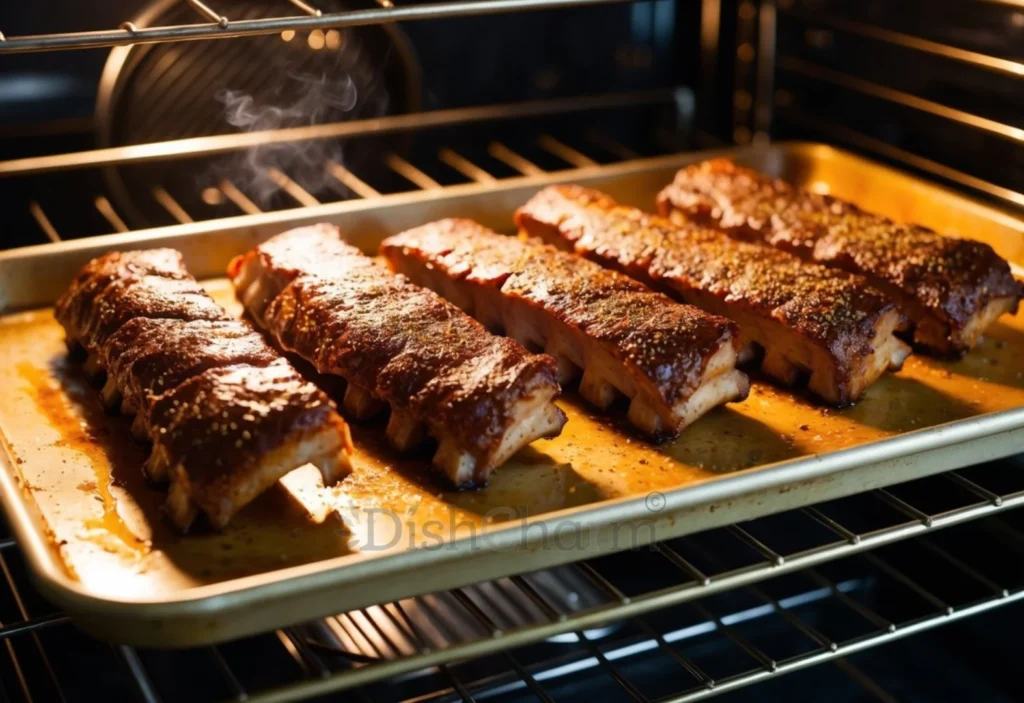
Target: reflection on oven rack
<point x="220" y="26"/>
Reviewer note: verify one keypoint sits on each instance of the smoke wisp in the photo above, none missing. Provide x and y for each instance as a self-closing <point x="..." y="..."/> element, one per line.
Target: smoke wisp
<point x="341" y="87"/>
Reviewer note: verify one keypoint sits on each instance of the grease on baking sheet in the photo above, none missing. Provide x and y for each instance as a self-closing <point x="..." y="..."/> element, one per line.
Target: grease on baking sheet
<point x="107" y="529"/>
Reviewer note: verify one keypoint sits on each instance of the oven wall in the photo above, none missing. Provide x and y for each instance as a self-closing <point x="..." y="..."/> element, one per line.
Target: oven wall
<point x="939" y="79"/>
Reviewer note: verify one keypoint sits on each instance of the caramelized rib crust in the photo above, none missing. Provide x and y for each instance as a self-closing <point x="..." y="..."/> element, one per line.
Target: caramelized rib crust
<point x="75" y="308"/>
<point x="148" y="357"/>
<point x="395" y="342"/>
<point x="806" y="318"/>
<point x="949" y="288"/>
<point x="623" y="335"/>
<point x="220" y="437"/>
<point x="153" y="297"/>
<point x="223" y="431"/>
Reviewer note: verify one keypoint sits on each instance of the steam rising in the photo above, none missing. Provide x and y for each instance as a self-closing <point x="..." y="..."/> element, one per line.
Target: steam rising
<point x="343" y="87"/>
<point x="319" y="98"/>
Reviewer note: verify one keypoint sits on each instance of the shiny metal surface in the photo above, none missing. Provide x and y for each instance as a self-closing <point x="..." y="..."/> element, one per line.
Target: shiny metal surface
<point x="696" y="586"/>
<point x="931" y="85"/>
<point x="801" y="598"/>
<point x="226" y="608"/>
<point x="222" y="27"/>
<point x="888" y="151"/>
<point x="996" y="64"/>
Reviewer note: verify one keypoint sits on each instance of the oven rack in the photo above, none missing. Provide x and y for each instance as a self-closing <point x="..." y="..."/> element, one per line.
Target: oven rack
<point x="573" y="149"/>
<point x="439" y="633"/>
<point x="446" y="165"/>
<point x="757" y="99"/>
<point x="761" y="98"/>
<point x="195" y="147"/>
<point x="220" y="26"/>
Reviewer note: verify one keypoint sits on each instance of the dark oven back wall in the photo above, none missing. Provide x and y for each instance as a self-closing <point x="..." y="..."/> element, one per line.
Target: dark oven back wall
<point x="537" y="55"/>
<point x="839" y="72"/>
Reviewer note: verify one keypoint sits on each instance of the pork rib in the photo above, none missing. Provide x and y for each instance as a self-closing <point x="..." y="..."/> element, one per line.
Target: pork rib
<point x="226" y="414"/>
<point x="672" y="361"/>
<point x="403" y="347"/>
<point x="829" y="326"/>
<point x="951" y="289"/>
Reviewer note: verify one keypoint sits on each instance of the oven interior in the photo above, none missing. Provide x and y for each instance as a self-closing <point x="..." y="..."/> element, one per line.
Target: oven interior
<point x="892" y="594"/>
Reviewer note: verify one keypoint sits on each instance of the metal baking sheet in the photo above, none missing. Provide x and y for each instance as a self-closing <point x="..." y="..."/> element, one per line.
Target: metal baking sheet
<point x="93" y="535"/>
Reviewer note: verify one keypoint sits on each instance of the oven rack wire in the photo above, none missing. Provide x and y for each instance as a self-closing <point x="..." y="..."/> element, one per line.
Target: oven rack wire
<point x="914" y="106"/>
<point x="220" y="26"/>
<point x="588" y="148"/>
<point x="439" y="633"/>
<point x="585" y="148"/>
<point x="194" y="147"/>
<point x="761" y="100"/>
<point x="756" y="101"/>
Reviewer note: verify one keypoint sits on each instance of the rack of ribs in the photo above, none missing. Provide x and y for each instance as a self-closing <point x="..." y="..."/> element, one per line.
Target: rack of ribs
<point x="674" y="362"/>
<point x="809" y="321"/>
<point x="227" y="415"/>
<point x="950" y="289"/>
<point x="403" y="348"/>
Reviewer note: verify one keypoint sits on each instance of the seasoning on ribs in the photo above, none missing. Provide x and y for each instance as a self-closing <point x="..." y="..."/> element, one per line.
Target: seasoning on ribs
<point x="673" y="361"/>
<point x="806" y="319"/>
<point x="481" y="397"/>
<point x="951" y="289"/>
<point x="227" y="415"/>
<point x="74" y="308"/>
<point x="122" y="286"/>
<point x="147" y="357"/>
<point x="228" y="434"/>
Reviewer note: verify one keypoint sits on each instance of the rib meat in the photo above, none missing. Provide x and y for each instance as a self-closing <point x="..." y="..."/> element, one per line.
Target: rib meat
<point x="227" y="415"/>
<point x="951" y="289"/>
<point x="147" y="357"/>
<point x="673" y="361"/>
<point x="398" y="345"/>
<point x="75" y="309"/>
<point x="807" y="320"/>
<point x="228" y="434"/>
